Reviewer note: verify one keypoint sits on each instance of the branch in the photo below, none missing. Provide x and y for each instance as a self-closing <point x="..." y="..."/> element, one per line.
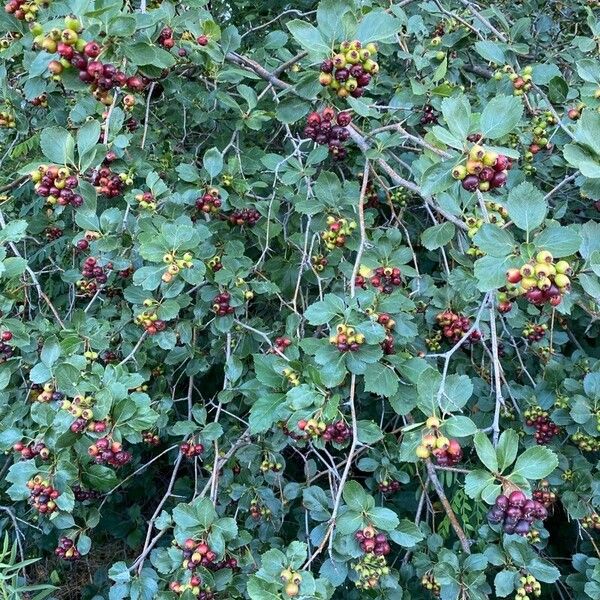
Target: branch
<point x="13" y="184"/>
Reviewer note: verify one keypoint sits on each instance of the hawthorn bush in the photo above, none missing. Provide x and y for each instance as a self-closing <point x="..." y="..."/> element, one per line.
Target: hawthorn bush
<point x="300" y="299"/>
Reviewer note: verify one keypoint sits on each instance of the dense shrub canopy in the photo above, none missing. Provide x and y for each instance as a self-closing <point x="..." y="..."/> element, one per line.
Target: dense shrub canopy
<point x="300" y="299"/>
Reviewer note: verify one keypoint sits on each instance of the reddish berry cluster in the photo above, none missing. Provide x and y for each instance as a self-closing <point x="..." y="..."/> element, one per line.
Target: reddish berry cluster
<point x="53" y="233"/>
<point x="191" y="449"/>
<point x="329" y="129"/>
<point x="41" y="100"/>
<point x="319" y="262"/>
<point x="67" y="550"/>
<point x="196" y="554"/>
<point x="545" y="429"/>
<point x="46" y="393"/>
<point x="105" y="451"/>
<point x="338" y="230"/>
<point x="25" y="10"/>
<point x="245" y="216"/>
<point x="150" y="438"/>
<point x="93" y="276"/>
<point x="6" y="350"/>
<point x="165" y="38"/>
<point x="146" y="200"/>
<point x="337" y="432"/>
<point x="107" y="182"/>
<point x="347" y="339"/>
<point x="150" y="322"/>
<point x="32" y="450"/>
<point x="544" y="495"/>
<point x="56" y="184"/>
<point x="221" y="305"/>
<point x="257" y="511"/>
<point x="81" y="424"/>
<point x="389" y="324"/>
<point x="42" y="495"/>
<point x="429" y="115"/>
<point x="372" y="542"/>
<point x="483" y="170"/>
<point x="449" y="454"/>
<point x="210" y="201"/>
<point x="516" y="513"/>
<point x="349" y="71"/>
<point x="281" y="345"/>
<point x="389" y="486"/>
<point x="193" y="586"/>
<point x="534" y="333"/>
<point x="82" y="495"/>
<point x="454" y="326"/>
<point x="386" y="279"/>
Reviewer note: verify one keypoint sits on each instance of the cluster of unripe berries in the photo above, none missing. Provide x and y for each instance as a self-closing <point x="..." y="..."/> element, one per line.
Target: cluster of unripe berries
<point x="516" y="513"/>
<point x="150" y="438"/>
<point x="370" y="569"/>
<point x="591" y="522"/>
<point x="7" y="119"/>
<point x="32" y="450"/>
<point x="67" y="550"/>
<point x="347" y="339"/>
<point x="210" y="201"/>
<point x="215" y="263"/>
<point x="319" y="262"/>
<point x="429" y="582"/>
<point x="79" y="407"/>
<point x="175" y="264"/>
<point x="190" y="449"/>
<point x="221" y="306"/>
<point x="529" y="587"/>
<point x="146" y="200"/>
<point x="56" y="184"/>
<point x="541" y="280"/>
<point x="521" y="81"/>
<point x="107" y="182"/>
<point x="292" y="580"/>
<point x="244" y="216"/>
<point x="496" y="214"/>
<point x="192" y="586"/>
<point x="447" y="452"/>
<point x="544" y="495"/>
<point x="371" y="541"/>
<point x="545" y="429"/>
<point x="149" y="320"/>
<point x="25" y="10"/>
<point x="389" y="486"/>
<point x="257" y="511"/>
<point x="337" y="231"/>
<point x="106" y="451"/>
<point x="329" y="128"/>
<point x="292" y="376"/>
<point x="483" y="171"/>
<point x="6" y="350"/>
<point x="337" y="432"/>
<point x="348" y="72"/>
<point x="196" y="554"/>
<point x="93" y="276"/>
<point x="534" y="332"/>
<point x="540" y="139"/>
<point x="46" y="393"/>
<point x="586" y="442"/>
<point x="454" y="326"/>
<point x="42" y="495"/>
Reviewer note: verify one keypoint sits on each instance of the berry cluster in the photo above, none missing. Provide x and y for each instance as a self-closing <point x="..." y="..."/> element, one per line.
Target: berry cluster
<point x="337" y="432"/>
<point x="504" y="302"/>
<point x="150" y="322"/>
<point x="93" y="276"/>
<point x="53" y="233"/>
<point x="389" y="486"/>
<point x="586" y="442"/>
<point x="429" y="582"/>
<point x="528" y="586"/>
<point x="105" y="451"/>
<point x="190" y="449"/>
<point x="210" y="201"/>
<point x="347" y="339"/>
<point x="47" y="393"/>
<point x="150" y="438"/>
<point x="82" y="495"/>
<point x="544" y="495"/>
<point x="454" y="326"/>
<point x="447" y="452"/>
<point x="496" y="214"/>
<point x="79" y="407"/>
<point x="516" y="513"/>
<point x="146" y="200"/>
<point x="244" y="216"/>
<point x="400" y="196"/>
<point x="370" y="569"/>
<point x="385" y="279"/>
<point x="372" y="542"/>
<point x="193" y="586"/>
<point x="534" y="332"/>
<point x="42" y="495"/>
<point x="196" y="554"/>
<point x="107" y="182"/>
<point x="7" y="119"/>
<point x="221" y="305"/>
<point x="81" y="424"/>
<point x="165" y="38"/>
<point x="56" y="184"/>
<point x="540" y="124"/>
<point x="545" y="429"/>
<point x="41" y="100"/>
<point x="6" y="350"/>
<point x="292" y="376"/>
<point x="257" y="511"/>
<point x="175" y="265"/>
<point x="67" y="550"/>
<point x="25" y="10"/>
<point x="329" y="128"/>
<point x="591" y="521"/>
<point x="215" y="264"/>
<point x="349" y="71"/>
<point x="483" y="171"/>
<point x="267" y="465"/>
<point x="429" y="115"/>
<point x="319" y="262"/>
<point x="388" y="324"/>
<point x="292" y="580"/>
<point x="371" y="195"/>
<point x="337" y="231"/>
<point x="32" y="450"/>
<point x="281" y="345"/>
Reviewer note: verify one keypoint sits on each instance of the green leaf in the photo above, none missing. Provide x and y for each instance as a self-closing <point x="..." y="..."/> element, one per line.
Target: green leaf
<point x="543" y="570"/>
<point x="325" y="310"/>
<point x="384" y="519"/>
<point x="504" y="582"/>
<point x="560" y="241"/>
<point x="508" y="447"/>
<point x="368" y="432"/>
<point x="265" y="412"/>
<point x="356" y="498"/>
<point x="589" y="70"/>
<point x="500" y="116"/>
<point x="526" y="207"/>
<point x="407" y="534"/>
<point x="308" y="37"/>
<point x="58" y="145"/>
<point x="213" y="162"/>
<point x="457" y="114"/>
<point x="437" y="178"/>
<point x="381" y="380"/>
<point x="459" y="426"/>
<point x="485" y="451"/>
<point x="331" y="18"/>
<point x="378" y="25"/>
<point x="536" y="462"/>
<point x="583" y="159"/>
<point x="87" y="137"/>
<point x="438" y="235"/>
<point x="494" y="241"/>
<point x="491" y="52"/>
